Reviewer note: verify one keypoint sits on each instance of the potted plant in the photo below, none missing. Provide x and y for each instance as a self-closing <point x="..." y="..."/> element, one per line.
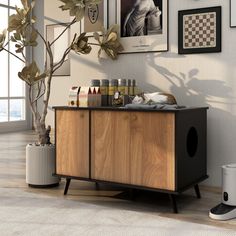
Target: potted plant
<point x="40" y="156"/>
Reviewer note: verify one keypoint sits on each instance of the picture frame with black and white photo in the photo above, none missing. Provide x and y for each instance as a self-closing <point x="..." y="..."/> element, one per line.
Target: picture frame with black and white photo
<point x="95" y="18"/>
<point x="143" y="25"/>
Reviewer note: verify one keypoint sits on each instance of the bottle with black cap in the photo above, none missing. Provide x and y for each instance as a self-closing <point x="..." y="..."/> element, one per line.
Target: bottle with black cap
<point x="113" y="88"/>
<point x="104" y="91"/>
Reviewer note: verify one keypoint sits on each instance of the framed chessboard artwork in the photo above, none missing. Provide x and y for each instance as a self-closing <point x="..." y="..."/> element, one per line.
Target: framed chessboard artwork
<point x="232" y="13"/>
<point x="200" y="30"/>
<point x="143" y="25"/>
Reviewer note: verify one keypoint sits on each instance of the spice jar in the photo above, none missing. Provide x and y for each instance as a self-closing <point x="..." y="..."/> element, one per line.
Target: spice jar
<point x="95" y="83"/>
<point x="130" y="88"/>
<point x="124" y="90"/>
<point x="122" y="86"/>
<point x="135" y="88"/>
<point x="104" y="88"/>
<point x="113" y="87"/>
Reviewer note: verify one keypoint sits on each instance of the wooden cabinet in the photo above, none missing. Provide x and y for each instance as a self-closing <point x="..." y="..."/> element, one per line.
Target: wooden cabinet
<point x="160" y="150"/>
<point x="152" y="141"/>
<point x="110" y="146"/>
<point x="134" y="148"/>
<point x="72" y="143"/>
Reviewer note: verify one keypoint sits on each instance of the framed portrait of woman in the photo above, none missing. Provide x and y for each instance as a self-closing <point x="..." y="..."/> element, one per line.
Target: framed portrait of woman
<point x="143" y="25"/>
<point x="95" y="18"/>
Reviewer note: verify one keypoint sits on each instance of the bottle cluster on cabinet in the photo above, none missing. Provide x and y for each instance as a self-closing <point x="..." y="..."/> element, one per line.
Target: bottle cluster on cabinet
<point x="104" y="93"/>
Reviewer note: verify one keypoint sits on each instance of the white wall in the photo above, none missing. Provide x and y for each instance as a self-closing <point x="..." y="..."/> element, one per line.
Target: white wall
<point x="195" y="80"/>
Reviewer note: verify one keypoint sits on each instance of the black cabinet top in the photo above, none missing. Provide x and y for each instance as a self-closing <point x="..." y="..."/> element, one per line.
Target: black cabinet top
<point x="128" y="109"/>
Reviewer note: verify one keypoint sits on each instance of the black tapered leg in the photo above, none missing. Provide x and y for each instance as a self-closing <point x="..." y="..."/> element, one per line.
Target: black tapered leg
<point x="173" y="202"/>
<point x="67" y="186"/>
<point x="132" y="194"/>
<point x="97" y="186"/>
<point x="197" y="190"/>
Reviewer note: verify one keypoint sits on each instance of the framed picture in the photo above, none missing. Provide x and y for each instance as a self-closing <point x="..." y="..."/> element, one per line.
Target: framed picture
<point x="95" y="18"/>
<point x="200" y="30"/>
<point x="232" y="13"/>
<point x="143" y="25"/>
<point x="59" y="47"/>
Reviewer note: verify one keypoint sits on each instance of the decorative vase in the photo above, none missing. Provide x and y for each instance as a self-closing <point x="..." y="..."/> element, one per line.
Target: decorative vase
<point x="40" y="166"/>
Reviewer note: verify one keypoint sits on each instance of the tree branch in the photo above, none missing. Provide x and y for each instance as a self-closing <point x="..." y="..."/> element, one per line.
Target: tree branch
<point x="2" y="48"/>
<point x="36" y="99"/>
<point x="40" y="93"/>
<point x="48" y="91"/>
<point x="39" y="85"/>
<point x="41" y="36"/>
<point x="30" y="102"/>
<point x="67" y="51"/>
<point x="67" y="27"/>
<point x="23" y="55"/>
<point x="94" y="44"/>
<point x="61" y="62"/>
<point x="13" y="55"/>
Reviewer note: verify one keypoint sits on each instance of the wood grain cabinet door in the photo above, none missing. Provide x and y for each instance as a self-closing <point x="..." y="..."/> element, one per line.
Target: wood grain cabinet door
<point x="152" y="149"/>
<point x="72" y="143"/>
<point x="135" y="148"/>
<point x="110" y="146"/>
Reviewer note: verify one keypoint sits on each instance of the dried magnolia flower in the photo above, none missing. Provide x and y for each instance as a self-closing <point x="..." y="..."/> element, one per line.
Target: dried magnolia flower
<point x="31" y="74"/>
<point x="2" y="38"/>
<point x="110" y="42"/>
<point x="81" y="45"/>
<point x="23" y="34"/>
<point x="18" y="22"/>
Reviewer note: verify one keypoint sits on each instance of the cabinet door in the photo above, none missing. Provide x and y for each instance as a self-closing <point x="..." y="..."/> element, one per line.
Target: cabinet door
<point x="72" y="143"/>
<point x="134" y="148"/>
<point x="110" y="146"/>
<point x="152" y="149"/>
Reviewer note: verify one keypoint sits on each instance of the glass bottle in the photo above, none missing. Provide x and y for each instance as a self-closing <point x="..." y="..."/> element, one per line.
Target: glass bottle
<point x="113" y="87"/>
<point x="104" y="88"/>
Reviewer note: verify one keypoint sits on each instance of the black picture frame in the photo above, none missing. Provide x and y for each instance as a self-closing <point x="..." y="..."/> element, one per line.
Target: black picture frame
<point x="231" y="24"/>
<point x="216" y="43"/>
<point x="145" y="43"/>
<point x="92" y="27"/>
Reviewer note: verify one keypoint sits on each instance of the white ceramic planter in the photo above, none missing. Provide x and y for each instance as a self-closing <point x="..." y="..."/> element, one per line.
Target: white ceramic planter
<point x="40" y="166"/>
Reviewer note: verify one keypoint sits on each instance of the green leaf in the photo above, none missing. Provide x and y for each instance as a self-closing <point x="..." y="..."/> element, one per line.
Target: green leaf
<point x="17" y="36"/>
<point x="13" y="39"/>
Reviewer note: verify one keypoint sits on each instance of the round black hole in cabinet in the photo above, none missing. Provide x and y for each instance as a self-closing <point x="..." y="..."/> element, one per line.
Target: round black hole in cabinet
<point x="192" y="142"/>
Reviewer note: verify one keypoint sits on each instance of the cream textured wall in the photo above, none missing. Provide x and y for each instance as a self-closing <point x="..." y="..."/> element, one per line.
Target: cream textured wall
<point x="195" y="80"/>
